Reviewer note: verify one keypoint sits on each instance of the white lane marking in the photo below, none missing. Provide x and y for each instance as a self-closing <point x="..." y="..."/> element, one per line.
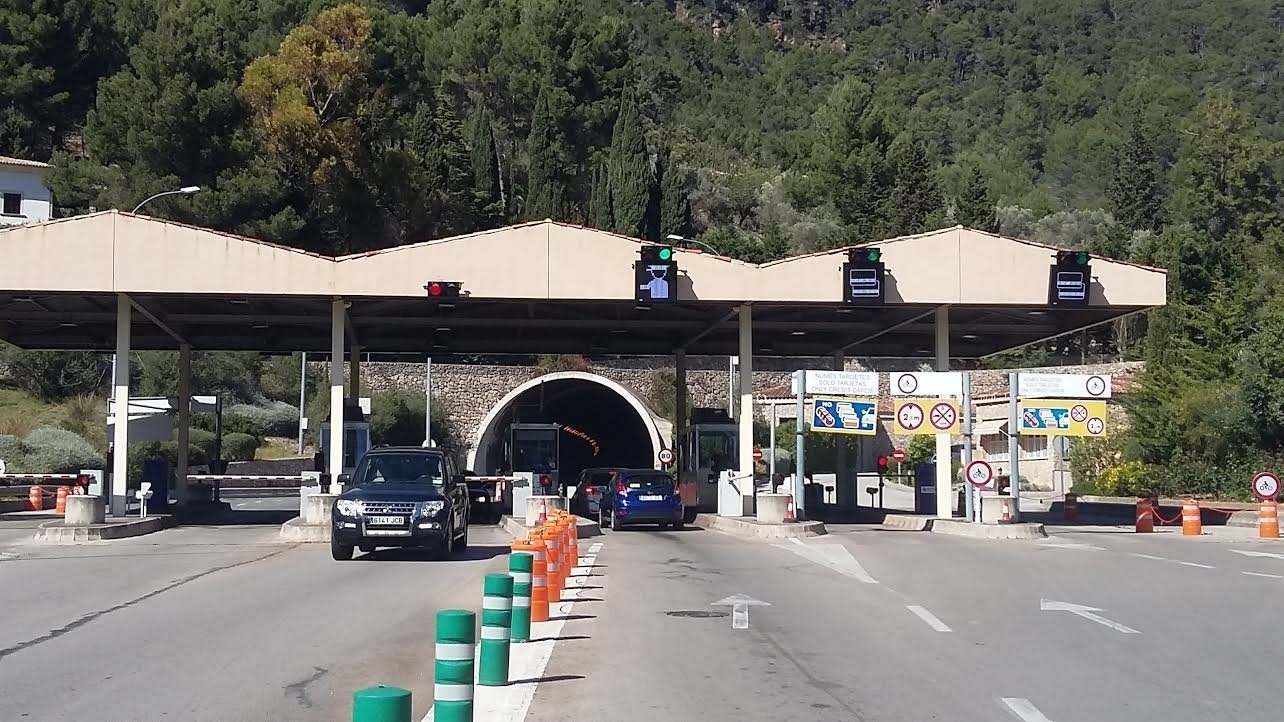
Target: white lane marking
<point x="527" y="661"/>
<point x="1083" y="610"/>
<point x="1147" y="556"/>
<point x="1174" y="561"/>
<point x="833" y="556"/>
<point x="1024" y="709"/>
<point x="926" y="616"/>
<point x="1193" y="564"/>
<point x="1247" y="553"/>
<point x="1071" y="545"/>
<point x="1261" y="574"/>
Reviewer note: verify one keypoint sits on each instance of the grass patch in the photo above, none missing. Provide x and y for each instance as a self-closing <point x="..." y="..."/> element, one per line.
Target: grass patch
<point x="21" y="413"/>
<point x="277" y="447"/>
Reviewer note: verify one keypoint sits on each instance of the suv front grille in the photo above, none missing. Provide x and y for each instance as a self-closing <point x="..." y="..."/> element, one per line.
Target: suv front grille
<point x="400" y="508"/>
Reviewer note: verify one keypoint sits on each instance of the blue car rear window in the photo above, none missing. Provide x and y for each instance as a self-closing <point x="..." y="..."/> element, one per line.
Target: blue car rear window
<point x="649" y="481"/>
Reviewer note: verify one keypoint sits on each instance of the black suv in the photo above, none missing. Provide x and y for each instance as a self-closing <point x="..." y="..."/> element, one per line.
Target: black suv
<point x="405" y="496"/>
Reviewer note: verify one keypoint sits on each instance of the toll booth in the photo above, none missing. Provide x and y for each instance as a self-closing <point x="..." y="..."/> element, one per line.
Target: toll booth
<point x="356" y="435"/>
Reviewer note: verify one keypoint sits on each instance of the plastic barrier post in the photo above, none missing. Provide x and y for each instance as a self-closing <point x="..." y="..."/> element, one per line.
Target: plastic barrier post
<point x="539" y="581"/>
<point x="35" y="498"/>
<point x="497" y="622"/>
<point x="1070" y="510"/>
<point x="554" y="559"/>
<point x="452" y="698"/>
<point x="1191" y="523"/>
<point x="520" y="567"/>
<point x="1268" y="521"/>
<point x="1145" y="518"/>
<point x="381" y="704"/>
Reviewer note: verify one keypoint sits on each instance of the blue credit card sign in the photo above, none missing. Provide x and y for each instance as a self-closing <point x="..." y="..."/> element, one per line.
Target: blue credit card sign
<point x="845" y="416"/>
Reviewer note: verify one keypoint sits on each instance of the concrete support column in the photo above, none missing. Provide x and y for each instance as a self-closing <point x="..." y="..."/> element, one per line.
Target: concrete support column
<point x="745" y="410"/>
<point x="944" y="462"/>
<point x="120" y="392"/>
<point x="680" y="405"/>
<point x="844" y="485"/>
<point x="354" y="372"/>
<point x="184" y="420"/>
<point x="338" y="316"/>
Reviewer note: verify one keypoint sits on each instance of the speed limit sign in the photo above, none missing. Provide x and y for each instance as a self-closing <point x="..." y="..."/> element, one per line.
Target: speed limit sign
<point x="666" y="456"/>
<point x="1266" y="486"/>
<point x="979" y="473"/>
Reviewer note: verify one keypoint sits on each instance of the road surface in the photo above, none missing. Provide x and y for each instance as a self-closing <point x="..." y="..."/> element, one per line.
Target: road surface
<point x="220" y="623"/>
<point x="907" y="627"/>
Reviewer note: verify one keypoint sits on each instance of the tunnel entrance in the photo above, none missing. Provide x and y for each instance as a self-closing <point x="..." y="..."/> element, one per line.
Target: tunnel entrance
<point x="599" y="424"/>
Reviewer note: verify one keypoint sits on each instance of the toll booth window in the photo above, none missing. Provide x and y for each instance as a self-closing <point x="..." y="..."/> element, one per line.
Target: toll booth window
<point x="534" y="455"/>
<point x="352" y="447"/>
<point x="419" y="469"/>
<point x="717" y="449"/>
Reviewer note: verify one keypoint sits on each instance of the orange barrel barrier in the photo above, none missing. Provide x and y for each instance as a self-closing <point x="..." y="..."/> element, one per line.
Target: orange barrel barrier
<point x="554" y="557"/>
<point x="1268" y="521"/>
<point x="539" y="579"/>
<point x="1191" y="524"/>
<point x="1145" y="516"/>
<point x="35" y="498"/>
<point x="1070" y="510"/>
<point x="61" y="504"/>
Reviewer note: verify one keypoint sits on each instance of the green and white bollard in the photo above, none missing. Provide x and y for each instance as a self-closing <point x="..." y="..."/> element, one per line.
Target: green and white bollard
<point x="452" y="698"/>
<point x="497" y="621"/>
<point x="520" y="565"/>
<point x="381" y="704"/>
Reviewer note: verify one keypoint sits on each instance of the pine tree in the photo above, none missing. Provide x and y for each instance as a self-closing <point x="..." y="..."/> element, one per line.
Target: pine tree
<point x="600" y="200"/>
<point x="1135" y="193"/>
<point x="675" y="202"/>
<point x="437" y="143"/>
<point x="914" y="196"/>
<point x="975" y="207"/>
<point x="485" y="167"/>
<point x="631" y="179"/>
<point x="545" y="178"/>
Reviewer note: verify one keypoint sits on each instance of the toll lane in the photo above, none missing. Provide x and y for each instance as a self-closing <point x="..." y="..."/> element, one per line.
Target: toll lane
<point x="263" y="631"/>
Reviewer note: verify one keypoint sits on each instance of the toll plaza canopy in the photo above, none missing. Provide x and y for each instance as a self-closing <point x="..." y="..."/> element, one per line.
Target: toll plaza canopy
<point x="541" y="287"/>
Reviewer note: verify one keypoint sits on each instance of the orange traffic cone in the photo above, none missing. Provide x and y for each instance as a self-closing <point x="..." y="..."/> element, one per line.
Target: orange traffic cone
<point x="789" y="510"/>
<point x="543" y="513"/>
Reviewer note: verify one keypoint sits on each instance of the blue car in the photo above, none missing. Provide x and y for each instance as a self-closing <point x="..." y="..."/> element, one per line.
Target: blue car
<point x="641" y="496"/>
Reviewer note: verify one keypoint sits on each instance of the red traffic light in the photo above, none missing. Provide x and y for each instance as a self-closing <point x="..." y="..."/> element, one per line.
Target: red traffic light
<point x="882" y="462"/>
<point x="434" y="289"/>
<point x="443" y="289"/>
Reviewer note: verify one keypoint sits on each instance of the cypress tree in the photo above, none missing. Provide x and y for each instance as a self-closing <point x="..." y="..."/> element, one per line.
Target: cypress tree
<point x="485" y="162"/>
<point x="600" y="202"/>
<point x="1135" y="194"/>
<point x="975" y="207"/>
<point x="631" y="179"/>
<point x="675" y="203"/>
<point x="545" y="182"/>
<point x="915" y="195"/>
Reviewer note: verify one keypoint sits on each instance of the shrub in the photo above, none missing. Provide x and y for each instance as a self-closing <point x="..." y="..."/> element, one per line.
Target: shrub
<point x="561" y="362"/>
<point x="239" y="447"/>
<point x="1126" y="479"/>
<point x="14" y="453"/>
<point x="86" y="417"/>
<point x="202" y="440"/>
<point x="397" y="418"/>
<point x="275" y="418"/>
<point x="58" y="451"/>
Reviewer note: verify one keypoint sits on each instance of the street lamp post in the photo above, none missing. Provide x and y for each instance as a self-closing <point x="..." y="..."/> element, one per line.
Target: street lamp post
<point x="680" y="239"/>
<point x="185" y="190"/>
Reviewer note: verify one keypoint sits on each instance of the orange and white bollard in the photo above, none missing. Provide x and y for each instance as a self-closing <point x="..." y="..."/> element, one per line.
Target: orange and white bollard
<point x="60" y="504"/>
<point x="539" y="576"/>
<point x="1006" y="516"/>
<point x="543" y="513"/>
<point x="36" y="498"/>
<point x="554" y="558"/>
<point x="1268" y="521"/>
<point x="1145" y="517"/>
<point x="1070" y="510"/>
<point x="1191" y="523"/>
<point x="789" y="510"/>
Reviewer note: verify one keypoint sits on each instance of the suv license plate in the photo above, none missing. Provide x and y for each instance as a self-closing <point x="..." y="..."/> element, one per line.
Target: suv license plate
<point x="386" y="520"/>
<point x="651" y="497"/>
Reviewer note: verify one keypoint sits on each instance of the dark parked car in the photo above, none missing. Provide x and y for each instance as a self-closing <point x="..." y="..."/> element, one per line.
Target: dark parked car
<point x="401" y="497"/>
<point x="641" y="496"/>
<point x="590" y="486"/>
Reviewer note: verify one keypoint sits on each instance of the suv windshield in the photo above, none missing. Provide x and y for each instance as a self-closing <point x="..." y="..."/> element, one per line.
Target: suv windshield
<point x="399" y="469"/>
<point x="598" y="477"/>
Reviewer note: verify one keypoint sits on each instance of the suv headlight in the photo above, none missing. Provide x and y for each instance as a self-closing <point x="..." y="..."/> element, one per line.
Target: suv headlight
<point x="431" y="508"/>
<point x="348" y="507"/>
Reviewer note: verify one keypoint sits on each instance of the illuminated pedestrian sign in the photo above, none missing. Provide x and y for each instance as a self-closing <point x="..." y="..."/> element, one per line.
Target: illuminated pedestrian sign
<point x="655" y="275"/>
<point x="863" y="276"/>
<point x="1070" y="279"/>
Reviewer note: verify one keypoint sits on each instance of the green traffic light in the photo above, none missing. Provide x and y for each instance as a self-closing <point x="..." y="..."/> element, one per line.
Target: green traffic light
<point x="1082" y="259"/>
<point x="873" y="254"/>
<point x="666" y="254"/>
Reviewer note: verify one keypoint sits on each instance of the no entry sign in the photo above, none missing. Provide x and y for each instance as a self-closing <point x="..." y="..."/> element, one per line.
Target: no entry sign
<point x="757" y="454"/>
<point x="898" y="455"/>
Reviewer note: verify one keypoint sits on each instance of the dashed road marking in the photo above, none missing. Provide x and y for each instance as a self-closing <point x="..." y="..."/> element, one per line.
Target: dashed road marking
<point x="1071" y="545"/>
<point x="1263" y="574"/>
<point x="1148" y="556"/>
<point x="1195" y="564"/>
<point x="1024" y="709"/>
<point x="932" y="620"/>
<point x="1173" y="561"/>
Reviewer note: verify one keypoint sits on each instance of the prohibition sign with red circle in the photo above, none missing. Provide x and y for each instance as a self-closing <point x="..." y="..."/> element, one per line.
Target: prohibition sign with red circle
<point x="1079" y="412"/>
<point x="910" y="416"/>
<point x="943" y="416"/>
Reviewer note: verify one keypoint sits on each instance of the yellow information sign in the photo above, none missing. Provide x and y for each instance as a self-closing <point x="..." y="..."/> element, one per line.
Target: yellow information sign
<point x="927" y="416"/>
<point x="1063" y="417"/>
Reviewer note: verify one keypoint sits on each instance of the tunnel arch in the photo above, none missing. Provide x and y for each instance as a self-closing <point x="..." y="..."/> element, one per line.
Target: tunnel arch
<point x="491" y="428"/>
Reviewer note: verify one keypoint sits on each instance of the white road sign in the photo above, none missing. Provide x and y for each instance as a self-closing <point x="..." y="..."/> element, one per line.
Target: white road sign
<point x="840" y="383"/>
<point x="927" y="383"/>
<point x="1064" y="386"/>
<point x="979" y="473"/>
<point x="1266" y="485"/>
<point x="666" y="456"/>
<point x="910" y="416"/>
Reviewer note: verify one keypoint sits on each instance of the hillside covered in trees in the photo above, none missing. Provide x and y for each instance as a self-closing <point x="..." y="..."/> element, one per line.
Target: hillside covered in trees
<point x="1146" y="130"/>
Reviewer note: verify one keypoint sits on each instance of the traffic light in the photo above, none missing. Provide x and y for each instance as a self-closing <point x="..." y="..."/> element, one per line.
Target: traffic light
<point x="443" y="289"/>
<point x="655" y="275"/>
<point x="863" y="277"/>
<point x="882" y="465"/>
<point x="1070" y="279"/>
